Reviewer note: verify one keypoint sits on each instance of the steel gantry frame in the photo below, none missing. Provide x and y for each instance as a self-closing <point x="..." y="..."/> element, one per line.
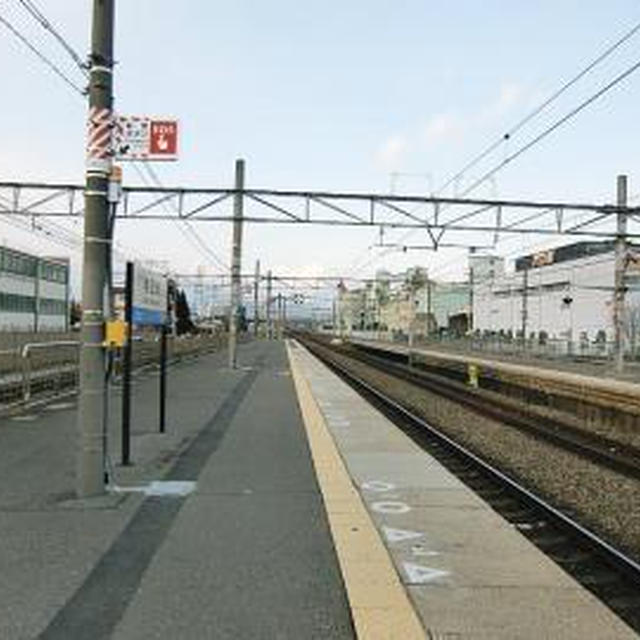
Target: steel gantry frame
<point x="434" y="215"/>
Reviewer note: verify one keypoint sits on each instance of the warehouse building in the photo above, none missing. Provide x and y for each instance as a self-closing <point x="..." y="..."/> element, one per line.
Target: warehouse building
<point x="34" y="292"/>
<point x="563" y="294"/>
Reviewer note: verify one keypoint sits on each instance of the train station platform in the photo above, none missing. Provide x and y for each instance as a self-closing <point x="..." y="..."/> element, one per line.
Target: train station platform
<point x="467" y="571"/>
<point x="278" y="505"/>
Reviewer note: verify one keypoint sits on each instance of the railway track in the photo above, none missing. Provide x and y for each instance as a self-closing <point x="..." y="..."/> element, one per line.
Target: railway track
<point x="610" y="574"/>
<point x="605" y="451"/>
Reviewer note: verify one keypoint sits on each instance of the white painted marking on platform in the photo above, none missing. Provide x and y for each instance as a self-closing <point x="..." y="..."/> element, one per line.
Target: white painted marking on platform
<point x="419" y="574"/>
<point x="377" y="485"/>
<point x="59" y="405"/>
<point x="25" y="418"/>
<point x="419" y="550"/>
<point x="391" y="507"/>
<point x="399" y="535"/>
<point x="160" y="488"/>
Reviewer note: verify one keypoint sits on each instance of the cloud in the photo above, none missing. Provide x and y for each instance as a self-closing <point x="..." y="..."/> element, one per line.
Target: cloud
<point x="509" y="96"/>
<point x="453" y="126"/>
<point x="391" y="152"/>
<point x="444" y="127"/>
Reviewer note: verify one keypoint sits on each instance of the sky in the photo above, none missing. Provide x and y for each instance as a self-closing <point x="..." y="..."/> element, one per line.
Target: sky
<point x="337" y="96"/>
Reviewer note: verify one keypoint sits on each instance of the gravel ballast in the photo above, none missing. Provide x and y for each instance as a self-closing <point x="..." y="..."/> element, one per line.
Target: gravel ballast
<point x="603" y="500"/>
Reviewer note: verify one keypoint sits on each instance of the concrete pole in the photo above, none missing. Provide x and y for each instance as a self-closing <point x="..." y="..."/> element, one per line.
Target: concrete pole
<point x="279" y="318"/>
<point x="269" y="320"/>
<point x="429" y="308"/>
<point x="525" y="306"/>
<point x="471" y="285"/>
<point x="334" y="318"/>
<point x="90" y="450"/>
<point x="256" y="295"/>
<point x="620" y="266"/>
<point x="284" y="315"/>
<point x="412" y="322"/>
<point x="236" y="264"/>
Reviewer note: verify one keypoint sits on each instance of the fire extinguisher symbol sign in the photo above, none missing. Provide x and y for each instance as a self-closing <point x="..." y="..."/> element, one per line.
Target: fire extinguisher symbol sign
<point x="164" y="138"/>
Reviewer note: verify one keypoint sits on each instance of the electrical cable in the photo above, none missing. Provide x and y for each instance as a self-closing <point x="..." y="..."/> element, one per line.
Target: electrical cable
<point x="30" y="6"/>
<point x="199" y="245"/>
<point x="558" y="123"/>
<point x="42" y="57"/>
<point x="541" y="107"/>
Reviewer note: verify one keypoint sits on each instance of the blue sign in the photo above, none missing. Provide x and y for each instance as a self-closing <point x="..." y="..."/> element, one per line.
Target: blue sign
<point x="149" y="297"/>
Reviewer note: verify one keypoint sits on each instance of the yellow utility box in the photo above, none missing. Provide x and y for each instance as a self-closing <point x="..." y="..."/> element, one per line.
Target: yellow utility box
<point x="115" y="334"/>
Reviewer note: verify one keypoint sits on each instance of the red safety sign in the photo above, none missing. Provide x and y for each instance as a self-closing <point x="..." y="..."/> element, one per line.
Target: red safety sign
<point x="164" y="138"/>
<point x="146" y="138"/>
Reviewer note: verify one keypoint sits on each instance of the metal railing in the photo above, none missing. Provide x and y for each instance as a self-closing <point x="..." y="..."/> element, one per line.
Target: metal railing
<point x="50" y="368"/>
<point x="532" y="347"/>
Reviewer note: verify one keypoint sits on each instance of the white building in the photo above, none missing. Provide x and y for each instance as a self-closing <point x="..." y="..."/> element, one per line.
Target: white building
<point x="34" y="292"/>
<point x="563" y="294"/>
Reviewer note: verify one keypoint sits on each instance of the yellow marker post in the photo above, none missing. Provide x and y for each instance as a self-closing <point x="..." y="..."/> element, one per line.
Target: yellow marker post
<point x="473" y="372"/>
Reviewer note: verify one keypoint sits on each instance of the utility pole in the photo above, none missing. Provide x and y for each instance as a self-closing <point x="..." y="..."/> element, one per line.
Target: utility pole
<point x="256" y="294"/>
<point x="269" y="320"/>
<point x="471" y="285"/>
<point x="90" y="450"/>
<point x="620" y="267"/>
<point x="284" y="315"/>
<point x="525" y="305"/>
<point x="429" y="309"/>
<point x="236" y="263"/>
<point x="279" y="317"/>
<point x="334" y="318"/>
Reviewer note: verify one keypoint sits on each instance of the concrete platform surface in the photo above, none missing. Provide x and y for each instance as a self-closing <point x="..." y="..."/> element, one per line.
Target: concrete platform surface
<point x="242" y="550"/>
<point x="469" y="574"/>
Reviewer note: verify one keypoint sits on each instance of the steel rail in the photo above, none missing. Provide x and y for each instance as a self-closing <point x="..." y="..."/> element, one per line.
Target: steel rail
<point x="590" y="445"/>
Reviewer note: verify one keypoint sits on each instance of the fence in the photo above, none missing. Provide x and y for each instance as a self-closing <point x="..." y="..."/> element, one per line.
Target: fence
<point x="502" y="345"/>
<point x="50" y="368"/>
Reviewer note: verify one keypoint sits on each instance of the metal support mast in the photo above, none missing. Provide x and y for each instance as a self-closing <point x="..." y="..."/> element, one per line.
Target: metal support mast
<point x="620" y="266"/>
<point x="236" y="263"/>
<point x="90" y="451"/>
<point x="256" y="296"/>
<point x="525" y="306"/>
<point x="268" y="310"/>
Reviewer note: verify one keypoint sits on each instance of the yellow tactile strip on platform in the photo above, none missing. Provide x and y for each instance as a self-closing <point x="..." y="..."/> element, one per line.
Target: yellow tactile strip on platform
<point x="380" y="606"/>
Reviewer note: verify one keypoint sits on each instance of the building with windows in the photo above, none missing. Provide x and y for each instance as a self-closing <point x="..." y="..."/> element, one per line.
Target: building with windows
<point x="396" y="303"/>
<point x="34" y="292"/>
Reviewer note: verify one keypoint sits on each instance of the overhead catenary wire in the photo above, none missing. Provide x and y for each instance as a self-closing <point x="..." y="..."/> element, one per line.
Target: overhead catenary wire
<point x="192" y="238"/>
<point x="43" y="58"/>
<point x="519" y="125"/>
<point x="541" y="107"/>
<point x="36" y="13"/>
<point x="556" y="125"/>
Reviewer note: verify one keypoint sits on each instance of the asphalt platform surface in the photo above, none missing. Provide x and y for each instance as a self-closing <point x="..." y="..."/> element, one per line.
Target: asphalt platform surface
<point x="246" y="554"/>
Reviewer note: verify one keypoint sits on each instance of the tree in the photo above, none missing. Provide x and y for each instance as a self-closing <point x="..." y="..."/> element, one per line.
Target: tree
<point x="75" y="313"/>
<point x="184" y="324"/>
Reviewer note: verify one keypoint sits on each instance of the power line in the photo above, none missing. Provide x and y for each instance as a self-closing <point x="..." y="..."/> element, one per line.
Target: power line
<point x="41" y="56"/>
<point x="187" y="231"/>
<point x="583" y="105"/>
<point x="552" y="98"/>
<point x="30" y="6"/>
<point x="194" y="234"/>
